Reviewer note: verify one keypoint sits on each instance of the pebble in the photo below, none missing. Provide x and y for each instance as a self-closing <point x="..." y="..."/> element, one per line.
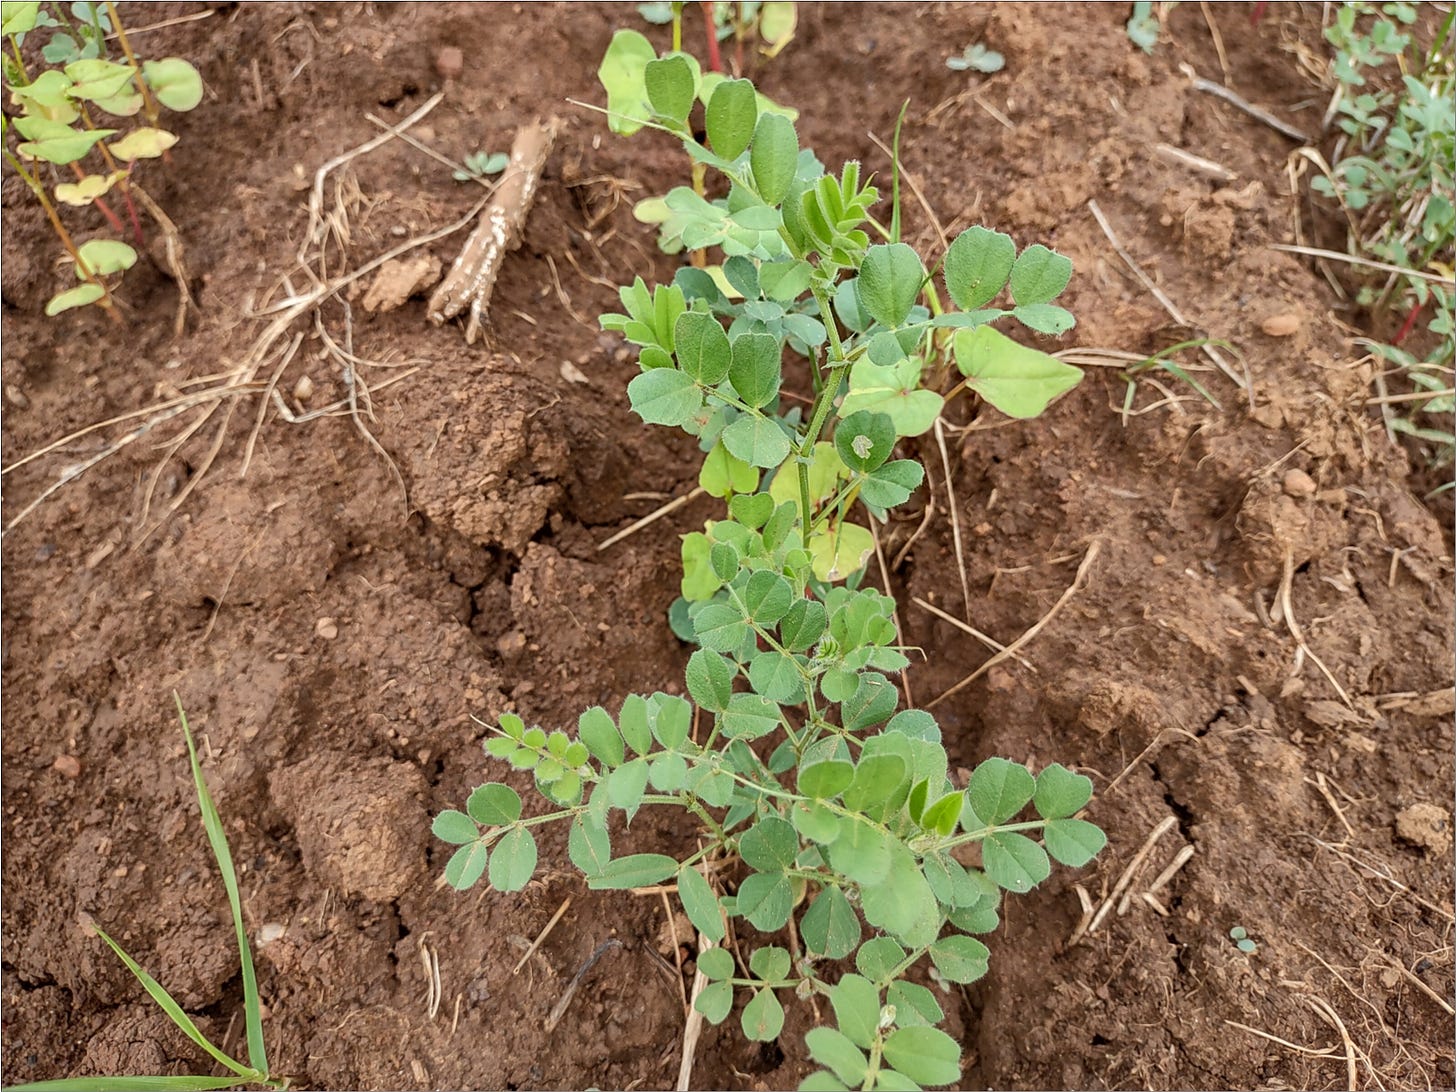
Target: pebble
<point x="16" y="397"/>
<point x="67" y="766"/>
<point x="303" y="390"/>
<point x="450" y="62"/>
<point x="1298" y="484"/>
<point x="1281" y="325"/>
<point x="326" y="628"/>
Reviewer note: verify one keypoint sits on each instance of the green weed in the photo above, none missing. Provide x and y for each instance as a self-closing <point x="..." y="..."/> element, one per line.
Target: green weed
<point x="822" y="808"/>
<point x="255" y="1071"/>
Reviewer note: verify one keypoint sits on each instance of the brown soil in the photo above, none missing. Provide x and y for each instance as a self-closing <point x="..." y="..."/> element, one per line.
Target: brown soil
<point x="332" y="650"/>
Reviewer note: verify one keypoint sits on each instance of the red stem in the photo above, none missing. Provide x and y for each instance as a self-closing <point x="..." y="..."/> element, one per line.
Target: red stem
<point x="1257" y="13"/>
<point x="715" y="59"/>
<point x="1408" y="325"/>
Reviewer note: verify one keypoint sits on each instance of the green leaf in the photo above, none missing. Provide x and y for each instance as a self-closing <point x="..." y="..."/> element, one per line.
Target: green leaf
<point x="771" y="964"/>
<point x="856" y="1004"/>
<point x="775" y="158"/>
<point x="895" y="391"/>
<point x="825" y="780"/>
<point x="1039" y="275"/>
<point x="466" y="866"/>
<point x="977" y="265"/>
<point x="106" y="256"/>
<point x="803" y="625"/>
<point x="873" y="700"/>
<point x="756" y="440"/>
<point x="17" y="17"/>
<point x="85" y="190"/>
<point x="455" y="827"/>
<point x="924" y="1054"/>
<point x="699" y="903"/>
<point x="1060" y="793"/>
<point x="763" y="1017"/>
<point x="55" y="142"/>
<point x="1018" y="381"/>
<point x="720" y="627"/>
<point x="724" y="473"/>
<point x="732" y="113"/>
<point x="1014" y="861"/>
<point x="959" y="958"/>
<point x="879" y="960"/>
<point x="623" y="75"/>
<point x="752" y="510"/>
<point x="757" y="368"/>
<point x="876" y="779"/>
<point x="494" y="805"/>
<point x="634" y="717"/>
<point x="830" y="926"/>
<point x="815" y="822"/>
<point x="703" y="349"/>
<point x="889" y="282"/>
<point x="665" y="397"/>
<point x="864" y="440"/>
<point x="636" y="870"/>
<point x="832" y="1048"/>
<point x="626" y="784"/>
<point x="915" y="723"/>
<point x="1045" y="318"/>
<point x="143" y="143"/>
<point x="710" y="680"/>
<point x="588" y="845"/>
<point x="716" y="1000"/>
<point x="766" y="899"/>
<point x="716" y="963"/>
<point x="902" y="904"/>
<point x="513" y="860"/>
<point x="777" y="677"/>
<point x="999" y="789"/>
<point x="1073" y="842"/>
<point x="670" y="87"/>
<point x="861" y="852"/>
<point x="941" y="816"/>
<point x="673" y="722"/>
<point x="749" y="716"/>
<point x="768" y="597"/>
<point x="914" y="1004"/>
<point x="770" y="845"/>
<point x="97" y="78"/>
<point x="596" y="730"/>
<point x="840" y="552"/>
<point x="174" y="83"/>
<point x="892" y="483"/>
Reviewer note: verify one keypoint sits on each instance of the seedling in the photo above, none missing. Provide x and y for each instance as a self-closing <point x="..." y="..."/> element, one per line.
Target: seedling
<point x="58" y="125"/>
<point x="1163" y="361"/>
<point x="479" y="165"/>
<point x="827" y="821"/>
<point x="976" y="58"/>
<point x="1144" y="25"/>
<point x="1392" y="175"/>
<point x="1240" y="936"/>
<point x="255" y="1071"/>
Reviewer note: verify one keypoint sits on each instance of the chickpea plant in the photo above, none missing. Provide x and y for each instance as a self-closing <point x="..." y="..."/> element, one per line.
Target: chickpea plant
<point x="827" y="817"/>
<point x="76" y="108"/>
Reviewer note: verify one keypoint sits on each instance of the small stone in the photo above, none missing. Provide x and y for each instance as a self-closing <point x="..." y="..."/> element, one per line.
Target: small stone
<point x="16" y="397"/>
<point x="268" y="932"/>
<point x="511" y="644"/>
<point x="399" y="279"/>
<point x="1280" y="325"/>
<point x="1298" y="484"/>
<point x="572" y="374"/>
<point x="303" y="390"/>
<point x="67" y="766"/>
<point x="450" y="62"/>
<point x="1425" y="825"/>
<point x="326" y="628"/>
<point x="1159" y="559"/>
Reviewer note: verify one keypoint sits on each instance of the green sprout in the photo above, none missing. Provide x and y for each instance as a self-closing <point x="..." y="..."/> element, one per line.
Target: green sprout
<point x="826" y="817"/>
<point x="976" y="58"/>
<point x="1240" y="936"/>
<point x="479" y="165"/>
<point x="252" y="1073"/>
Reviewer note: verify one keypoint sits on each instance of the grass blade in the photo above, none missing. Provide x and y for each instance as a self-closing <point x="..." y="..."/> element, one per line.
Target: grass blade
<point x="212" y="821"/>
<point x="174" y="1012"/>
<point x="135" y="1084"/>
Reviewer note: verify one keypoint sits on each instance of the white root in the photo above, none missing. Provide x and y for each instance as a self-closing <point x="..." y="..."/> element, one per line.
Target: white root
<point x="468" y="285"/>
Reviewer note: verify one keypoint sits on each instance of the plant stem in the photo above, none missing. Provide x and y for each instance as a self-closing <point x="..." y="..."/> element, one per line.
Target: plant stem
<point x="107" y="302"/>
<point x="823" y="401"/>
<point x="149" y="103"/>
<point x="125" y="183"/>
<point x="715" y="59"/>
<point x="111" y="217"/>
